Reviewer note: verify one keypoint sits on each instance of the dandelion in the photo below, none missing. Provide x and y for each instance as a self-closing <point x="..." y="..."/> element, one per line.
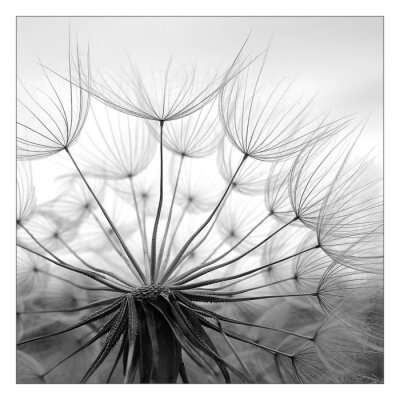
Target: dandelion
<point x="117" y="147"/>
<point x="266" y="269"/>
<point x="52" y="119"/>
<point x="263" y="122"/>
<point x="340" y="202"/>
<point x="250" y="179"/>
<point x="195" y="136"/>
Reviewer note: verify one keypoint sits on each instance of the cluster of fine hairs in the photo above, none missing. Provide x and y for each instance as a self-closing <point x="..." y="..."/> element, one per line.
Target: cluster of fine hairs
<point x="208" y="228"/>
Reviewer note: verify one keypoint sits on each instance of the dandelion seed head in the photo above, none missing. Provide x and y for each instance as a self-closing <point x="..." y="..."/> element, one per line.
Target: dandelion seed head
<point x="51" y="119"/>
<point x="149" y="268"/>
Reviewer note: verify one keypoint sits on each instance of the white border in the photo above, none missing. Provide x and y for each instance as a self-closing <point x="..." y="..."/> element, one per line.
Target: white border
<point x="206" y="7"/>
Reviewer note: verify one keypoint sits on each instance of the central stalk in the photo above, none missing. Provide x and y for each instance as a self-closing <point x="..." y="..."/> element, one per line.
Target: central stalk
<point x="158" y="353"/>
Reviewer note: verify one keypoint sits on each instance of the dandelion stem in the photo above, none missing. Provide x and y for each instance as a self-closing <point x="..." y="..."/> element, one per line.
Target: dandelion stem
<point x="229" y="343"/>
<point x="166" y="259"/>
<point x="216" y="293"/>
<point x="128" y="253"/>
<point x="96" y="337"/>
<point x="194" y="248"/>
<point x="99" y="270"/>
<point x="244" y="339"/>
<point x="76" y="309"/>
<point x="188" y="276"/>
<point x="216" y="248"/>
<point x="37" y="242"/>
<point x="141" y="230"/>
<point x="154" y="238"/>
<point x="204" y="264"/>
<point x="180" y="286"/>
<point x="126" y="260"/>
<point x="75" y="284"/>
<point x="146" y="244"/>
<point x="242" y="280"/>
<point x="161" y="252"/>
<point x="211" y="314"/>
<point x="174" y="263"/>
<point x="95" y="276"/>
<point x="199" y="296"/>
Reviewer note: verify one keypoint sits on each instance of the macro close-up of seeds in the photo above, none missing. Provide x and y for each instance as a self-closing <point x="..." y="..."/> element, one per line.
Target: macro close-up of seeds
<point x="199" y="200"/>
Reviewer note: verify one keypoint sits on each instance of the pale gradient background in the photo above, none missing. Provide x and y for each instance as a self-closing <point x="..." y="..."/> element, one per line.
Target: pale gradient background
<point x="340" y="57"/>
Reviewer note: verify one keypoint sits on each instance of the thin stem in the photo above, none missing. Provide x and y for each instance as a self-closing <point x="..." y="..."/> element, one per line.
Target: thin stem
<point x="235" y="283"/>
<point x="217" y="316"/>
<point x="113" y="244"/>
<point x="38" y="243"/>
<point x="229" y="278"/>
<point x="188" y="276"/>
<point x="217" y="247"/>
<point x="142" y="233"/>
<point x="146" y="244"/>
<point x="216" y="293"/>
<point x="161" y="252"/>
<point x="61" y="261"/>
<point x="154" y="238"/>
<point x="99" y="270"/>
<point x="204" y="264"/>
<point x="229" y="343"/>
<point x="174" y="263"/>
<point x="244" y="339"/>
<point x="98" y="303"/>
<point x="202" y="240"/>
<point x="128" y="253"/>
<point x="165" y="262"/>
<point x="75" y="284"/>
<point x="93" y="275"/>
<point x="207" y="298"/>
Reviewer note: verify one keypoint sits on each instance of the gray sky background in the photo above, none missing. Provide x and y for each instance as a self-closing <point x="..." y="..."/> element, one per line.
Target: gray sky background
<point x="341" y="57"/>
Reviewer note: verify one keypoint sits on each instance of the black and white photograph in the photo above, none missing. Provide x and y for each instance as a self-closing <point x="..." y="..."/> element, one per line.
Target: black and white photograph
<point x="199" y="200"/>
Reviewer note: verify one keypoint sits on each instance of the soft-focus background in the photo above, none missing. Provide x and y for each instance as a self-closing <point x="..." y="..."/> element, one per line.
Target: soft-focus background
<point x="341" y="58"/>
